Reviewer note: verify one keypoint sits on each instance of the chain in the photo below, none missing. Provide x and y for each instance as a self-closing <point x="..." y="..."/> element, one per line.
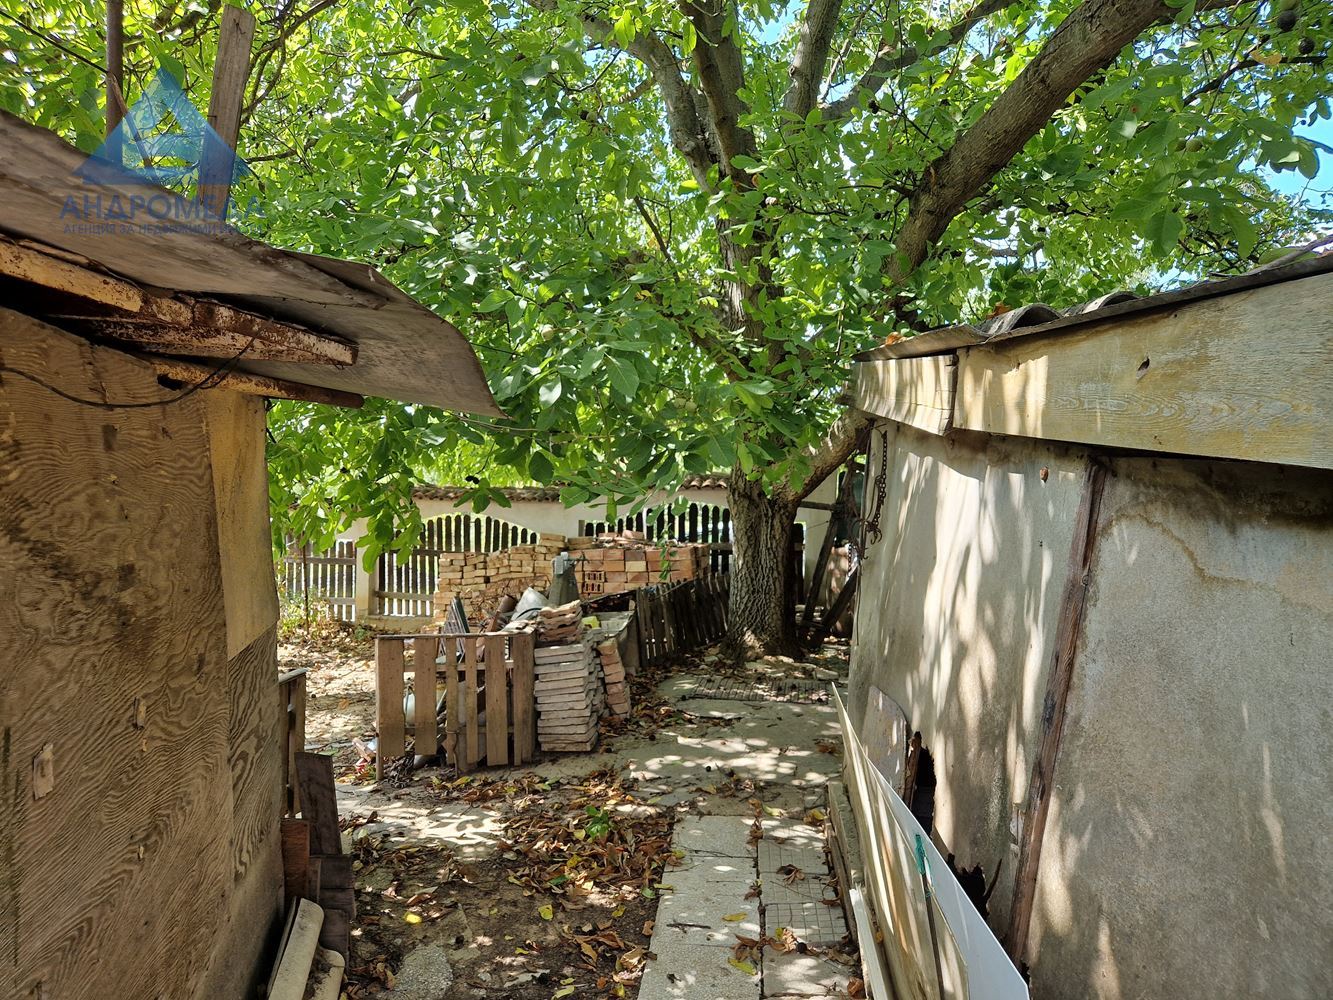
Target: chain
<point x="872" y="529"/>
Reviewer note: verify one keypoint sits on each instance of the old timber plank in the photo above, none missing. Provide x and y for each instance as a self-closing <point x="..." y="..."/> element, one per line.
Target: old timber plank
<point x="916" y="391"/>
<point x="390" y="722"/>
<point x="497" y="702"/>
<point x="1245" y="376"/>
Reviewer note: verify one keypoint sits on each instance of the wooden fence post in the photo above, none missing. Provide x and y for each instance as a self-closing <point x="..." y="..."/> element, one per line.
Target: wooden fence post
<point x="497" y="702"/>
<point x="425" y="650"/>
<point x="522" y="680"/>
<point x="390" y="721"/>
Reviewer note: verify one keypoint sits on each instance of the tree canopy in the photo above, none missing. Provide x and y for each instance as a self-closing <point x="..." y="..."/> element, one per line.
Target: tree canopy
<point x="667" y="226"/>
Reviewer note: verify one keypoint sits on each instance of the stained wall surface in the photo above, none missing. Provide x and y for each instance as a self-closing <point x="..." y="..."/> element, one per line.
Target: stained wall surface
<point x="1185" y="854"/>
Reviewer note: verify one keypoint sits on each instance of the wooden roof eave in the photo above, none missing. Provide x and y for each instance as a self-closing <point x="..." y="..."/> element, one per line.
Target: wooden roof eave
<point x="1246" y="376"/>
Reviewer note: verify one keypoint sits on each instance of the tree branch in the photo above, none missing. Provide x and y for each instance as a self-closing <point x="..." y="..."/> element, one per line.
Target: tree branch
<point x="842" y="439"/>
<point x="1088" y="40"/>
<point x="807" y="63"/>
<point x="688" y="132"/>
<point x="890" y="60"/>
<point x="721" y="71"/>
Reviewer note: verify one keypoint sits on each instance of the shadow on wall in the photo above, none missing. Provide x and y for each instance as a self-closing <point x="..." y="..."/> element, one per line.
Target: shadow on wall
<point x="959" y="630"/>
<point x="1192" y="789"/>
<point x="1191" y="799"/>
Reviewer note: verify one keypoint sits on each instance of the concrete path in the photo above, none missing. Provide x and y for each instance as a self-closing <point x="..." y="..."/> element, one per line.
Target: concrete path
<point x="731" y="885"/>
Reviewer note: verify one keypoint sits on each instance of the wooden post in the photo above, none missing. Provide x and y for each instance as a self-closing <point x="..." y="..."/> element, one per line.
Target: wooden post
<point x="423" y="686"/>
<point x="452" y="709"/>
<point x="1067" y="628"/>
<point x="524" y="703"/>
<point x="840" y="605"/>
<point x="231" y="69"/>
<point x="467" y="760"/>
<point x="497" y="702"/>
<point x="390" y="721"/>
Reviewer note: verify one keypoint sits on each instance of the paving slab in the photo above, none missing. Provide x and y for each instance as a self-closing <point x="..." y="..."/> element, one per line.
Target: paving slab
<point x="713" y="920"/>
<point x="718" y="836"/>
<point x="686" y="971"/>
<point x="813" y="923"/>
<point x="812" y="889"/>
<point x="797" y="975"/>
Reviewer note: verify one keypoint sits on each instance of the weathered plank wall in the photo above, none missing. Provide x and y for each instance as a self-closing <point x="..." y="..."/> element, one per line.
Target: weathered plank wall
<point x="138" y="866"/>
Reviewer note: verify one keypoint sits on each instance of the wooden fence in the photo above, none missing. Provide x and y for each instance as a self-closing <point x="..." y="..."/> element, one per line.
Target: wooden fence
<point x="291" y="696"/>
<point x="321" y="579"/>
<point x="678" y="617"/>
<point x="405" y="584"/>
<point x="491" y="673"/>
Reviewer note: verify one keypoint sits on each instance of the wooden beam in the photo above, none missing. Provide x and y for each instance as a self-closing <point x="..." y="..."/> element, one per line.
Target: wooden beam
<point x="254" y="385"/>
<point x="1069" y="625"/>
<point x="156" y="321"/>
<point x="231" y="69"/>
<point x="916" y="391"/>
<point x="1244" y="376"/>
<point x="25" y="263"/>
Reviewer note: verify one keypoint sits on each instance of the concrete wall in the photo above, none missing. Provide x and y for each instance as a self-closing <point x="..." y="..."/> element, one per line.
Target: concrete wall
<point x="138" y="847"/>
<point x="1186" y="850"/>
<point x="1191" y="826"/>
<point x="955" y="620"/>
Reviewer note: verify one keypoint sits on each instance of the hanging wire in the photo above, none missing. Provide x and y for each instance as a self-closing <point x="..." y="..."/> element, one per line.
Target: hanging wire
<point x="208" y="381"/>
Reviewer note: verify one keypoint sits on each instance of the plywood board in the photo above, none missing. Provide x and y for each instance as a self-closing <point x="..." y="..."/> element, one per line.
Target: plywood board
<point x="240" y="488"/>
<point x="976" y="964"/>
<point x="916" y="391"/>
<point x="1245" y="376"/>
<point x="117" y="882"/>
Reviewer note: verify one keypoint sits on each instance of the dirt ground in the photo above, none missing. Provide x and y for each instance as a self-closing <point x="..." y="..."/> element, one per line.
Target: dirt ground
<point x="530" y="883"/>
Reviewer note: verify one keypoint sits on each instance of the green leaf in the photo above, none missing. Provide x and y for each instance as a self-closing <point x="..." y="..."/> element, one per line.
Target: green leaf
<point x="624" y="377"/>
<point x="1163" y="230"/>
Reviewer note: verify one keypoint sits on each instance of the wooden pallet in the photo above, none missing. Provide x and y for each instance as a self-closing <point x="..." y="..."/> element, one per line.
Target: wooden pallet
<point x="490" y="673"/>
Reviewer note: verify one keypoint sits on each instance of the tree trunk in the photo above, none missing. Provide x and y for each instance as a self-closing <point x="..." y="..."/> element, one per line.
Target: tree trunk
<point x="761" y="618"/>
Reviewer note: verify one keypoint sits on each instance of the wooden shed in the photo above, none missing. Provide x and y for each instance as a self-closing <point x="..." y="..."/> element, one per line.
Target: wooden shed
<point x="1101" y="591"/>
<point x="142" y="748"/>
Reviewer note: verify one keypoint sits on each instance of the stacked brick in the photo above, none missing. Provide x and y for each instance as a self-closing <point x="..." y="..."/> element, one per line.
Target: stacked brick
<point x="612" y="564"/>
<point x="613" y="675"/>
<point x="481" y="579"/>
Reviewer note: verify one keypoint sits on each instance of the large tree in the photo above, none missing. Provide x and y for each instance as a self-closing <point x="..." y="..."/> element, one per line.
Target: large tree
<point x="667" y="225"/>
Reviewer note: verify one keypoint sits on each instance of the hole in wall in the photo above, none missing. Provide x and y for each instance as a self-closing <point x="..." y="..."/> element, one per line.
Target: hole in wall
<point x="919" y="783"/>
